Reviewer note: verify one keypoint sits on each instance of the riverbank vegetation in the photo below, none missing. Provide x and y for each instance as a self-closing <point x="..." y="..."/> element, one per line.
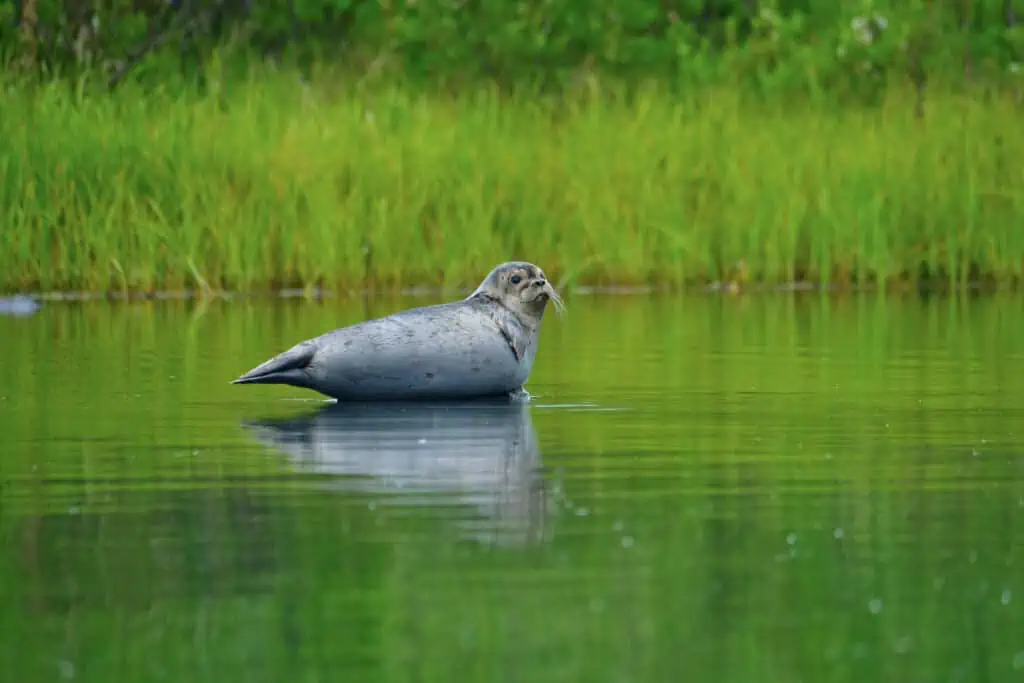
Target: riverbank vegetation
<point x="882" y="151"/>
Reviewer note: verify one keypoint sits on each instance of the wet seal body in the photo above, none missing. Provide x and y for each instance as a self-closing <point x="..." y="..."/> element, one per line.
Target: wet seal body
<point x="483" y="345"/>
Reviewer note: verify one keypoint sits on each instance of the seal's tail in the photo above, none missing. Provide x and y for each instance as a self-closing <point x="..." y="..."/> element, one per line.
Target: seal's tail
<point x="285" y="368"/>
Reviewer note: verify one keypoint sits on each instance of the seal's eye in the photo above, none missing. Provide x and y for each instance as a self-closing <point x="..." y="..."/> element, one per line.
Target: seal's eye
<point x="516" y="279"/>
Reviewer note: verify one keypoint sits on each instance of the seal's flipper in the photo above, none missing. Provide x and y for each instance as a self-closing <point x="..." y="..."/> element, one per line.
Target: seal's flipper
<point x="287" y="367"/>
<point x="515" y="341"/>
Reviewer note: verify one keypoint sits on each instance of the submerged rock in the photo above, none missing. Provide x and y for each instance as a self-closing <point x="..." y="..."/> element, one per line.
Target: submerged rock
<point x="19" y="305"/>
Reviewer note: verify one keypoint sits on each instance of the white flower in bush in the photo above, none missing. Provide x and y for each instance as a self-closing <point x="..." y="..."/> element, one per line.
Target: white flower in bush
<point x="867" y="29"/>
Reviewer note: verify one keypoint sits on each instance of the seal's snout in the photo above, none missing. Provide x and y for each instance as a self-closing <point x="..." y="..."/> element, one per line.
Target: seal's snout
<point x="548" y="291"/>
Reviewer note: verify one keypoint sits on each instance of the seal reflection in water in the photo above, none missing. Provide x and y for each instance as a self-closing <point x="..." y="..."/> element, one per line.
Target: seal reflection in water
<point x="482" y="455"/>
<point x="484" y="345"/>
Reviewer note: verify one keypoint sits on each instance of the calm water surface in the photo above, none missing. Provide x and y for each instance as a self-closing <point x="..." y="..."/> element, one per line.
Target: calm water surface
<point x="767" y="489"/>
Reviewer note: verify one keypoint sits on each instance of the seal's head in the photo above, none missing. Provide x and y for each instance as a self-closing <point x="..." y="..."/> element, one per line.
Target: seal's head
<point x="520" y="287"/>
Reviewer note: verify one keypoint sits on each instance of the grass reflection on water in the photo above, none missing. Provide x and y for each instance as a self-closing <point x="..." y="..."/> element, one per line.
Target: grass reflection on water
<point x="772" y="489"/>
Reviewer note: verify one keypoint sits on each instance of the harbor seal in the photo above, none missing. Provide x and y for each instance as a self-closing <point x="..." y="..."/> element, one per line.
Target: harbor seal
<point x="483" y="345"/>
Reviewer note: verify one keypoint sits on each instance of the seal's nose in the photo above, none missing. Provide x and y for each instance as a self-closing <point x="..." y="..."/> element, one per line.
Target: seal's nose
<point x="539" y="283"/>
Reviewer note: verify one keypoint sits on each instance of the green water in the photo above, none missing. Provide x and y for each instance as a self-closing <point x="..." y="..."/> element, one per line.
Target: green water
<point x="769" y="489"/>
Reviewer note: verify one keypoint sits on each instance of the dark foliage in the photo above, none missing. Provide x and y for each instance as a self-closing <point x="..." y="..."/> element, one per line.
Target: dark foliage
<point x="806" y="41"/>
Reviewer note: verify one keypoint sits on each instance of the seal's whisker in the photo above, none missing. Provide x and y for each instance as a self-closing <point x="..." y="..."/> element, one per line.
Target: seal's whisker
<point x="556" y="300"/>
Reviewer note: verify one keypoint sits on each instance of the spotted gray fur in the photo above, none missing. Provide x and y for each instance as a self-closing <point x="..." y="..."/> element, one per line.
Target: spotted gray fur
<point x="483" y="345"/>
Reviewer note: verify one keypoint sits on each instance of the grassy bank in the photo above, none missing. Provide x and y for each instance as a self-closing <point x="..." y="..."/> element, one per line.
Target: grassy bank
<point x="269" y="183"/>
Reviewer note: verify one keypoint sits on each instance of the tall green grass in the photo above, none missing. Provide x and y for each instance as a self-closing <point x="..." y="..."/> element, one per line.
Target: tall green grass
<point x="270" y="182"/>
